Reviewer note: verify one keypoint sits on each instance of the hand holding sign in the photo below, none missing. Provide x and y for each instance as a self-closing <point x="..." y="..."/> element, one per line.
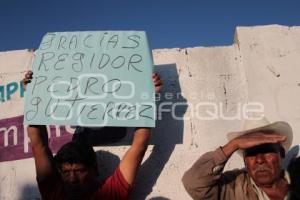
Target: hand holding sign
<point x="92" y="79"/>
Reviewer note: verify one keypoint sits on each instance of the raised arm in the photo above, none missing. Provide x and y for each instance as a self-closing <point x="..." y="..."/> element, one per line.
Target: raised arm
<point x="205" y="180"/>
<point x="131" y="161"/>
<point x="201" y="180"/>
<point x="41" y="152"/>
<point x="39" y="143"/>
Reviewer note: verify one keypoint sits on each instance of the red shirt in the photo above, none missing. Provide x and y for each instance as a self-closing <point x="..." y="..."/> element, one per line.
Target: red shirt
<point x="114" y="187"/>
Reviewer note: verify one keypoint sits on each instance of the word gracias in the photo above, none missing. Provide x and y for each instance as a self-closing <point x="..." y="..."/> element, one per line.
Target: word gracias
<point x="97" y="60"/>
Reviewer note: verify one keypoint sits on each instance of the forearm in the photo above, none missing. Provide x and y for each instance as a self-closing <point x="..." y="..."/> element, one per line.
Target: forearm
<point x="41" y="151"/>
<point x="132" y="159"/>
<point x="141" y="139"/>
<point x="38" y="135"/>
<point x="202" y="179"/>
<point x="140" y="144"/>
<point x="230" y="148"/>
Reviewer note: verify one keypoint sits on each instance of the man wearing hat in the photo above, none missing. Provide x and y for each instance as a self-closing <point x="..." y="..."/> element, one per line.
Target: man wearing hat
<point x="263" y="146"/>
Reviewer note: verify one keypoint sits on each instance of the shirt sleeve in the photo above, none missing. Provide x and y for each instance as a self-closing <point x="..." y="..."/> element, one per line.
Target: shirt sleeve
<point x="202" y="180"/>
<point x="115" y="187"/>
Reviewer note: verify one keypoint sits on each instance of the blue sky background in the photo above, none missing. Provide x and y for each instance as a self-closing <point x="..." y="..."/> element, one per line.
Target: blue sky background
<point x="168" y="23"/>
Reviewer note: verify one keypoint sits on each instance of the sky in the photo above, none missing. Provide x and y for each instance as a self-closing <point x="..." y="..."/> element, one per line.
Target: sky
<point x="168" y="23"/>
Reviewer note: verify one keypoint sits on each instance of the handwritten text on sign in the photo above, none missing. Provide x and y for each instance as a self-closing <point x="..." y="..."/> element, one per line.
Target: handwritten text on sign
<point x="93" y="79"/>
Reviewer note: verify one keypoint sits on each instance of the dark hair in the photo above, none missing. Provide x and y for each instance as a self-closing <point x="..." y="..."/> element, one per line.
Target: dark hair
<point x="76" y="152"/>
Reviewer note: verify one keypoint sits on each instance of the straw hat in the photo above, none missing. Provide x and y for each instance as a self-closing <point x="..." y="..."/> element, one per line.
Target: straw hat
<point x="279" y="127"/>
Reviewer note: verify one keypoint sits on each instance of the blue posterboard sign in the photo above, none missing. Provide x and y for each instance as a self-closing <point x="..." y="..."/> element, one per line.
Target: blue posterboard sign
<point x="92" y="78"/>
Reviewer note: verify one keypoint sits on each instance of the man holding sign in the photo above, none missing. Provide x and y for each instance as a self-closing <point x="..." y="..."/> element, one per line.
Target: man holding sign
<point x="89" y="79"/>
<point x="72" y="173"/>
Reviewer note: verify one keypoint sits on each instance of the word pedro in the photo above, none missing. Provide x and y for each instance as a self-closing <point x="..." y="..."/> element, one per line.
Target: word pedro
<point x="7" y="91"/>
<point x="87" y="85"/>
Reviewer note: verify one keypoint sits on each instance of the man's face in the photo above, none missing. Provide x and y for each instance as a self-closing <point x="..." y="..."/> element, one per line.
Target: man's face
<point x="263" y="164"/>
<point x="74" y="173"/>
<point x="77" y="178"/>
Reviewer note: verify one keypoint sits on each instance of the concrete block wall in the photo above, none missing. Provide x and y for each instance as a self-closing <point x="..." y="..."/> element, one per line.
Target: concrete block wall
<point x="263" y="66"/>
